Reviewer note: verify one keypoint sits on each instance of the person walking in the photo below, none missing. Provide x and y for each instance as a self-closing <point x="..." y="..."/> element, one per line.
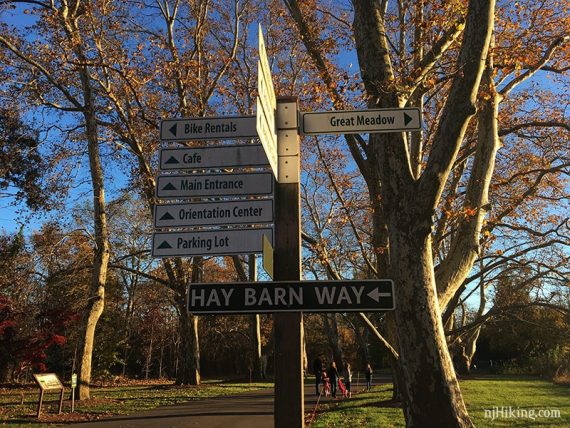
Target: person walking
<point x="347" y="375"/>
<point x="333" y="376"/>
<point x="318" y="370"/>
<point x="368" y="377"/>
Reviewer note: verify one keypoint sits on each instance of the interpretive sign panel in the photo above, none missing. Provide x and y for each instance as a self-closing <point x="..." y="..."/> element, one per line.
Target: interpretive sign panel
<point x="209" y="243"/>
<point x="251" y="155"/>
<point x="208" y="128"/>
<point x="356" y="121"/>
<point x="195" y="185"/>
<point x="47" y="381"/>
<point x="214" y="213"/>
<point x="292" y="296"/>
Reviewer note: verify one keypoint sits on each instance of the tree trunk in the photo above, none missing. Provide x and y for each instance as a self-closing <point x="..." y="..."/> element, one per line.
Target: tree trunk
<point x="96" y="302"/>
<point x="430" y="389"/>
<point x="257" y="373"/>
<point x="189" y="350"/>
<point x="149" y="353"/>
<point x="331" y="329"/>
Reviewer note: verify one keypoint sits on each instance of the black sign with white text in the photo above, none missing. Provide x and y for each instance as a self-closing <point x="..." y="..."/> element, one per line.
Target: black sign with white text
<point x="291" y="296"/>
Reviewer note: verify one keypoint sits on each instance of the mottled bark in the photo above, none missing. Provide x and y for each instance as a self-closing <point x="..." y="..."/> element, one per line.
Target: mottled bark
<point x="69" y="20"/>
<point x="430" y="392"/>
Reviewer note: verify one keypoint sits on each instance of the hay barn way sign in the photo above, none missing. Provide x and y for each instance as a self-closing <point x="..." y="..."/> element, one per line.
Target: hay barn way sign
<point x="291" y="296"/>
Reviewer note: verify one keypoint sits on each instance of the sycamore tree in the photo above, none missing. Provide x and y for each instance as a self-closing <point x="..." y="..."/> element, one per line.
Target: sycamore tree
<point x="52" y="68"/>
<point x="460" y="65"/>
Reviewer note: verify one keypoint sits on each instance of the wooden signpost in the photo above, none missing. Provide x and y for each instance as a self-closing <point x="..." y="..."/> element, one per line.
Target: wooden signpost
<point x="48" y="382"/>
<point x="244" y="199"/>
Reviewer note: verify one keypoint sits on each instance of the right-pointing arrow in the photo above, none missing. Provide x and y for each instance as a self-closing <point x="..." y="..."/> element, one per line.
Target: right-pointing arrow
<point x="375" y="295"/>
<point x="407" y="119"/>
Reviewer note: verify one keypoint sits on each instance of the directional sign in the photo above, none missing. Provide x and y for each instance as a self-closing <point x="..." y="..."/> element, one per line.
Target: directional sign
<point x="213" y="157"/>
<point x="209" y="243"/>
<point x="356" y="121"/>
<point x="194" y="185"/>
<point x="208" y="128"/>
<point x="265" y="107"/>
<point x="257" y="211"/>
<point x="291" y="296"/>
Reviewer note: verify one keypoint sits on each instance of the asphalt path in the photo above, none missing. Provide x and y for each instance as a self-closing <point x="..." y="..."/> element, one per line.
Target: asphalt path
<point x="253" y="409"/>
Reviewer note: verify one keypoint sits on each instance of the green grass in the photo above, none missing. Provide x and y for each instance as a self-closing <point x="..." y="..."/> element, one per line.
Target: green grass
<point x="106" y="402"/>
<point x="374" y="409"/>
<point x="511" y="399"/>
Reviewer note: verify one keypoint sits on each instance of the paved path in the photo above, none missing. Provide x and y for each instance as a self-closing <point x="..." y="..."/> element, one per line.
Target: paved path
<point x="249" y="410"/>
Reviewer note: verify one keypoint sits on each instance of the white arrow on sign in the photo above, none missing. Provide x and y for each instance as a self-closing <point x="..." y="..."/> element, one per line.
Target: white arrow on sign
<point x="375" y="295"/>
<point x="357" y="121"/>
<point x="213" y="157"/>
<point x="208" y="128"/>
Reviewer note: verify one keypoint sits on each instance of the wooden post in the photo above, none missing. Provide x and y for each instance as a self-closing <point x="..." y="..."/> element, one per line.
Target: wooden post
<point x="60" y="401"/>
<point x="288" y="327"/>
<point x="40" y="403"/>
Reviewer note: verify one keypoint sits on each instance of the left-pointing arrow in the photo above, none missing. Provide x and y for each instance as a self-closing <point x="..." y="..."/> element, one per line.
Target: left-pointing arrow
<point x="375" y="295"/>
<point x="173" y="129"/>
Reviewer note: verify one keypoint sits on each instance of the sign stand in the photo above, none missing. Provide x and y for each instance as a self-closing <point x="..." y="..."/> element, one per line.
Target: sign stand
<point x="288" y="327"/>
<point x="48" y="382"/>
<point x="73" y="386"/>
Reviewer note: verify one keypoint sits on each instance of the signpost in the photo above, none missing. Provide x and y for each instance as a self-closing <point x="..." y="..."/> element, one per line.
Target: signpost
<point x="357" y="121"/>
<point x="73" y="386"/>
<point x="292" y="296"/>
<point x="208" y="128"/>
<point x="250" y="155"/>
<point x="222" y="242"/>
<point x="276" y="125"/>
<point x="251" y="211"/>
<point x="210" y="185"/>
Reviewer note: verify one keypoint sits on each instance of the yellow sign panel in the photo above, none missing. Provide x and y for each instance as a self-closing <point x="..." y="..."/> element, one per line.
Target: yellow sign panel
<point x="267" y="256"/>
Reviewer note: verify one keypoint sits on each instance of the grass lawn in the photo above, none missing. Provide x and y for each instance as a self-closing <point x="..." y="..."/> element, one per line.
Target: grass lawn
<point x="513" y="401"/>
<point x="106" y="402"/>
<point x="510" y="401"/>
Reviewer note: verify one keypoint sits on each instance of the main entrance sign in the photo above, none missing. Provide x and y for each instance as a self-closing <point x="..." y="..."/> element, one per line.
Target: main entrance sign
<point x="292" y="296"/>
<point x="210" y="185"/>
<point x="357" y="121"/>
